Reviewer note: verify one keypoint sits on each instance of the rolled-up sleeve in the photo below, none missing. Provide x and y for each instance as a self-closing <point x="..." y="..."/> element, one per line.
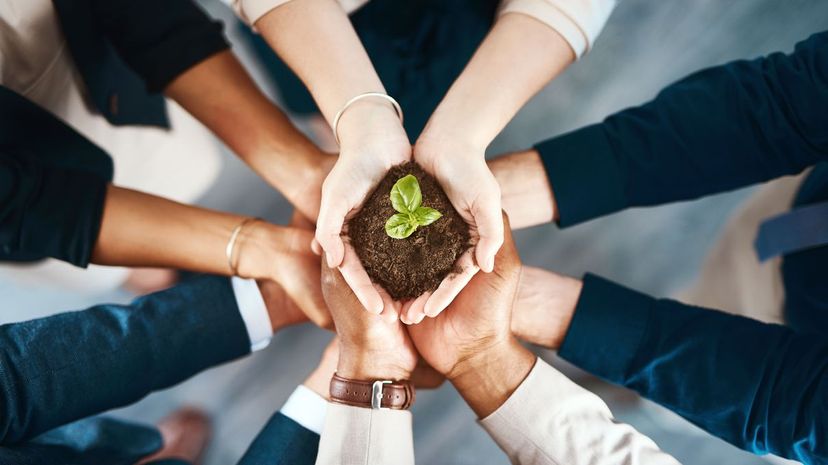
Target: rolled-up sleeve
<point x="48" y="212"/>
<point x="159" y="39"/>
<point x="578" y="21"/>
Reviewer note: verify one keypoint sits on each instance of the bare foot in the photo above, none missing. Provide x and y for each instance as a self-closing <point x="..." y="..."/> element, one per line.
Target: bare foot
<point x="186" y="433"/>
<point x="142" y="281"/>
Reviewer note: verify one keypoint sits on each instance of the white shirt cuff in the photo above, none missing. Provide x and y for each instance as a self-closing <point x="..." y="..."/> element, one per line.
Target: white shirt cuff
<point x="306" y="408"/>
<point x="253" y="312"/>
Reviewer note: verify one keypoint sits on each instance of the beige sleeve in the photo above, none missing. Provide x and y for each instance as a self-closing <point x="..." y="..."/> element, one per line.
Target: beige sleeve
<point x="550" y="420"/>
<point x="363" y="436"/>
<point x="250" y="11"/>
<point x="578" y="21"/>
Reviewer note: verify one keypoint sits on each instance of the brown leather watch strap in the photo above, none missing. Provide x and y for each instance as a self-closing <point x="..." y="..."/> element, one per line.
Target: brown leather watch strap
<point x="396" y="395"/>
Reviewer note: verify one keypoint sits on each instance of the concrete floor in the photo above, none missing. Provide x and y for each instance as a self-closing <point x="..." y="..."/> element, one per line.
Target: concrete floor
<point x="646" y="45"/>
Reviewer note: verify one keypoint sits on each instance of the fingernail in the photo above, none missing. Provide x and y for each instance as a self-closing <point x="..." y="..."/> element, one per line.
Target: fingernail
<point x="420" y="317"/>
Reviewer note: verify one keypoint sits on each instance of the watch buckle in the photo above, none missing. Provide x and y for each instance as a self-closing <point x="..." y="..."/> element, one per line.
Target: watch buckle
<point x="376" y="395"/>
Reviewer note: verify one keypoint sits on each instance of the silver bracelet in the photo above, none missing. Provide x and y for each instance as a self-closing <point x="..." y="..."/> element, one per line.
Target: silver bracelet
<point x="359" y="97"/>
<point x="231" y="244"/>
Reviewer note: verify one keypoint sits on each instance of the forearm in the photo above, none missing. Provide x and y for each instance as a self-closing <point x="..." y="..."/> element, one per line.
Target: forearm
<point x="221" y="94"/>
<point x="730" y="375"/>
<point x="143" y="230"/>
<point x="517" y="58"/>
<point x="316" y="39"/>
<point x="76" y="364"/>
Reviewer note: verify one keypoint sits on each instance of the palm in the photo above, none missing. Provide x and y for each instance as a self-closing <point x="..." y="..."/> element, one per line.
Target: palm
<point x="478" y="318"/>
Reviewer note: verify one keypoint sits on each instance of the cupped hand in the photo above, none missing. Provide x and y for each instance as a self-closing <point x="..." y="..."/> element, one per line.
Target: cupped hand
<point x="462" y="172"/>
<point x="371" y="346"/>
<point x="477" y="322"/>
<point x="372" y="141"/>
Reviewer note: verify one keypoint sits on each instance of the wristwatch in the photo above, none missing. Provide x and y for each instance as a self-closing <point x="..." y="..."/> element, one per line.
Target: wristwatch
<point x="377" y="395"/>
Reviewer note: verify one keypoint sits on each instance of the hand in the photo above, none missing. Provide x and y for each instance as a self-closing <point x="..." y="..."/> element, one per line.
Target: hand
<point x="283" y="255"/>
<point x="544" y="308"/>
<point x="473" y="191"/>
<point x="305" y="193"/>
<point x="372" y="141"/>
<point x="371" y="346"/>
<point x="471" y="343"/>
<point x="525" y="191"/>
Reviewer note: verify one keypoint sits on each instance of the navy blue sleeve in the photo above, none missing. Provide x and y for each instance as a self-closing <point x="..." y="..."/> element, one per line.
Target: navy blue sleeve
<point x="719" y="129"/>
<point x="761" y="387"/>
<point x="282" y="442"/>
<point x="72" y="365"/>
<point x="159" y="39"/>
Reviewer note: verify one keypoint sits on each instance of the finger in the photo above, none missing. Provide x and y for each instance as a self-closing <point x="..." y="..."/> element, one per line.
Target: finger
<point x="316" y="248"/>
<point x="329" y="228"/>
<point x="416" y="309"/>
<point x="390" y="308"/>
<point x="452" y="285"/>
<point x="358" y="280"/>
<point x="489" y="220"/>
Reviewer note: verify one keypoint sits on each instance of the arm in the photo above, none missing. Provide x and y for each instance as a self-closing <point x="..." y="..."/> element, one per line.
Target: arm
<point x="534" y="413"/>
<point x="75" y="364"/>
<point x="316" y="39"/>
<point x="761" y="387"/>
<point x="531" y="42"/>
<point x="719" y="129"/>
<point x="175" y="47"/>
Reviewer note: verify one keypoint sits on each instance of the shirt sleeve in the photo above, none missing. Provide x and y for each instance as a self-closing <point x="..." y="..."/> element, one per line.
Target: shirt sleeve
<point x="578" y="21"/>
<point x="550" y="420"/>
<point x="253" y="311"/>
<point x="759" y="386"/>
<point x="159" y="39"/>
<point x="366" y="436"/>
<point x="716" y="130"/>
<point x="306" y="408"/>
<point x="251" y="11"/>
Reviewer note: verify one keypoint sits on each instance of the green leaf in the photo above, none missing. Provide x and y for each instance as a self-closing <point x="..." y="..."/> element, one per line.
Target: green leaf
<point x="400" y="226"/>
<point x="426" y="215"/>
<point x="406" y="196"/>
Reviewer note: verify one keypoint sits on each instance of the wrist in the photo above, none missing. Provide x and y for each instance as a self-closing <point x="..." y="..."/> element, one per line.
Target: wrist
<point x="367" y="119"/>
<point x="431" y="146"/>
<point x="371" y="365"/>
<point x="488" y="378"/>
<point x="255" y="250"/>
<point x="525" y="191"/>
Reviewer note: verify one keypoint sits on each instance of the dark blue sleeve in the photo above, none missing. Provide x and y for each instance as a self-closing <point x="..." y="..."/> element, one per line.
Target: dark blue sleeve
<point x="72" y="365"/>
<point x="761" y="387"/>
<point x="719" y="129"/>
<point x="282" y="442"/>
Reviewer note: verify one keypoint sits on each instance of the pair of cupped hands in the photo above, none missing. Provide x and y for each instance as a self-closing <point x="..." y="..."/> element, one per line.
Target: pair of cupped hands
<point x="372" y="140"/>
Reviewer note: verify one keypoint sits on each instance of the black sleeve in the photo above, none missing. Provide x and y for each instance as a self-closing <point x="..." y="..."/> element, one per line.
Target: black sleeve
<point x="159" y="39"/>
<point x="72" y="365"/>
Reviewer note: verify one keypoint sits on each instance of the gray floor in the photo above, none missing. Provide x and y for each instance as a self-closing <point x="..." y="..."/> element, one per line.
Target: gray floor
<point x="645" y="45"/>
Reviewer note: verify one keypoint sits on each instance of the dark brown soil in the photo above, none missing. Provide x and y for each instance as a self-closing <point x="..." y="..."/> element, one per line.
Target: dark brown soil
<point x="408" y="267"/>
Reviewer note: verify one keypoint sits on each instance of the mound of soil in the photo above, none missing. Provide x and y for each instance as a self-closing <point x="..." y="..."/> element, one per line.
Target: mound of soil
<point x="407" y="268"/>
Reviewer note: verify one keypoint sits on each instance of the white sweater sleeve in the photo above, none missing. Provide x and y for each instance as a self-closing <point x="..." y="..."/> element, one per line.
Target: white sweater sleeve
<point x="549" y="420"/>
<point x="578" y="21"/>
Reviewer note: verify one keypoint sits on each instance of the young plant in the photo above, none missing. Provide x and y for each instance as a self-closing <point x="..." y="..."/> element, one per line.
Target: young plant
<point x="407" y="199"/>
